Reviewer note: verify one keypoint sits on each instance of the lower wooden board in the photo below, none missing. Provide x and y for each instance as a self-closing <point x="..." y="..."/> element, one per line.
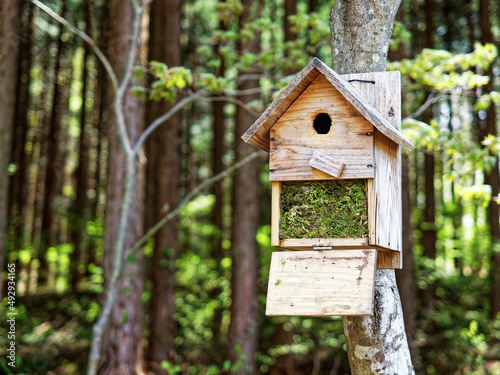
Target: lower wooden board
<point x="321" y="283"/>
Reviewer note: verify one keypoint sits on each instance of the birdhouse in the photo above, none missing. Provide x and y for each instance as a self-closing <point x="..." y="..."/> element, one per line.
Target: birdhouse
<point x="334" y="146"/>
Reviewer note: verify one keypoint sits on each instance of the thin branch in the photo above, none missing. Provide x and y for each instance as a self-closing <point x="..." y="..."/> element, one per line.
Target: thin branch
<point x="235" y="101"/>
<point x="165" y="117"/>
<point x="430" y="101"/>
<point x="100" y="325"/>
<point x="193" y="193"/>
<point x="86" y="38"/>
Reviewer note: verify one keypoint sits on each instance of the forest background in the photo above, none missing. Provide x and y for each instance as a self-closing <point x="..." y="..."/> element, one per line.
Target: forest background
<point x="192" y="299"/>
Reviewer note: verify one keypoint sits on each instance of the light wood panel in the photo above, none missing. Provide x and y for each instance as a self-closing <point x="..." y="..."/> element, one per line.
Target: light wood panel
<point x="321" y="283"/>
<point x="385" y="191"/>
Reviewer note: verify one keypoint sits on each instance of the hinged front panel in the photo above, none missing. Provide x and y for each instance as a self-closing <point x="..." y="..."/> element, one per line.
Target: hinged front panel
<point x="321" y="283"/>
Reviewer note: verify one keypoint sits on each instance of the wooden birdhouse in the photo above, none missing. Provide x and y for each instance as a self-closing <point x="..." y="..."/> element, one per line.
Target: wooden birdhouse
<point x="334" y="146"/>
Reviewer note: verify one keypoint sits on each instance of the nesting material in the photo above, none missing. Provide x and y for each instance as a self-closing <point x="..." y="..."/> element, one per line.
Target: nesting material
<point x="324" y="209"/>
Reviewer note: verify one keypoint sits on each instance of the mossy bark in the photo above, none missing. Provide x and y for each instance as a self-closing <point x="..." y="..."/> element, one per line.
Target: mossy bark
<point x="324" y="209"/>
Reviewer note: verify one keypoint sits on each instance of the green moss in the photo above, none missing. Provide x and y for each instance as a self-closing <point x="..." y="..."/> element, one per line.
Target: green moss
<point x="324" y="209"/>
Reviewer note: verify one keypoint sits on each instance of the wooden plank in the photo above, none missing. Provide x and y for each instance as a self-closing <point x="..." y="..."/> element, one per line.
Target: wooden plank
<point x="311" y="243"/>
<point x="275" y="213"/>
<point x="326" y="164"/>
<point x="385" y="208"/>
<point x="321" y="283"/>
<point x="291" y="163"/>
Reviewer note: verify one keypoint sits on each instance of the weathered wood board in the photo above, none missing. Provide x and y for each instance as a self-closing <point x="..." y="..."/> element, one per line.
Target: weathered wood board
<point x="326" y="164"/>
<point x="321" y="283"/>
<point x="385" y="190"/>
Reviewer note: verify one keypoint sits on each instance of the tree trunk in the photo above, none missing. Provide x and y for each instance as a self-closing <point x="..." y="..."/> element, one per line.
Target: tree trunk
<point x="360" y="32"/>
<point x="9" y="42"/>
<point x="492" y="177"/>
<point x="54" y="159"/>
<point x="122" y="341"/>
<point x="219" y="191"/>
<point x="163" y="174"/>
<point x="245" y="219"/>
<point x="429" y="235"/>
<point x="17" y="188"/>
<point x="405" y="278"/>
<point x="81" y="173"/>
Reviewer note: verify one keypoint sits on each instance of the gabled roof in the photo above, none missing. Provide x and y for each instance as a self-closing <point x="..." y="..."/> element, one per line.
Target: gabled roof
<point x="258" y="133"/>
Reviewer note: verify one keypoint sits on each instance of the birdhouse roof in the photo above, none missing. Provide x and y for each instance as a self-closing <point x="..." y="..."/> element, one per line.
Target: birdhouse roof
<point x="258" y="133"/>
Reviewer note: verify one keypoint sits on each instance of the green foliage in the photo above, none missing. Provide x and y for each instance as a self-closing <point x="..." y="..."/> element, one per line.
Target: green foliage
<point x="445" y="70"/>
<point x="324" y="209"/>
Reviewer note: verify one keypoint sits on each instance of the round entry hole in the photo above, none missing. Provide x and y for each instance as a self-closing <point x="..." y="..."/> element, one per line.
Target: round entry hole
<point x="322" y="123"/>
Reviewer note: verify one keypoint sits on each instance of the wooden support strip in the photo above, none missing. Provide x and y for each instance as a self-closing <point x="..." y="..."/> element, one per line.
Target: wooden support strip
<point x="275" y="213"/>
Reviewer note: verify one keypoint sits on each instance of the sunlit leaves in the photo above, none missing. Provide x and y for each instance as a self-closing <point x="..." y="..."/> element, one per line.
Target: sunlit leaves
<point x="445" y="70"/>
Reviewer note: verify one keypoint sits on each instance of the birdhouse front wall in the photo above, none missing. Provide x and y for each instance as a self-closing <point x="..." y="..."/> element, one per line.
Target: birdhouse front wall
<point x="321" y="119"/>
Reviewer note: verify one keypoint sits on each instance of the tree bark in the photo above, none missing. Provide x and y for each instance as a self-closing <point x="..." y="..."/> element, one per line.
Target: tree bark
<point x="17" y="186"/>
<point x="429" y="234"/>
<point x="54" y="157"/>
<point x="405" y="277"/>
<point x="9" y="42"/>
<point x="81" y="173"/>
<point x="360" y="33"/>
<point x="122" y="341"/>
<point x="245" y="219"/>
<point x="492" y="177"/>
<point x="163" y="175"/>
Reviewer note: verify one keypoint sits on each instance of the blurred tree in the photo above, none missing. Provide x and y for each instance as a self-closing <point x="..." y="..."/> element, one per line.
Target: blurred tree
<point x="82" y="171"/>
<point x="52" y="149"/>
<point x="162" y="184"/>
<point x="406" y="277"/>
<point x="17" y="188"/>
<point x="9" y="51"/>
<point x="122" y="342"/>
<point x="243" y="331"/>
<point x="488" y="127"/>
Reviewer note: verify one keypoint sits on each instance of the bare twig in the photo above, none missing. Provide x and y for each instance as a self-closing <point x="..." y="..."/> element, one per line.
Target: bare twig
<point x="165" y="117"/>
<point x="235" y="101"/>
<point x="433" y="98"/>
<point x="86" y="38"/>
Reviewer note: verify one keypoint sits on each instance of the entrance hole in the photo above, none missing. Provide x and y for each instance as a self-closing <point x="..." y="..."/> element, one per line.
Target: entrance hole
<point x="322" y="123"/>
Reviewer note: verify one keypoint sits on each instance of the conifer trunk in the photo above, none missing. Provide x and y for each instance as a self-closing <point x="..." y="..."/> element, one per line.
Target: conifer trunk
<point x="360" y="33"/>
<point x="245" y="218"/>
<point x="163" y="175"/>
<point x="122" y="341"/>
<point x="9" y="42"/>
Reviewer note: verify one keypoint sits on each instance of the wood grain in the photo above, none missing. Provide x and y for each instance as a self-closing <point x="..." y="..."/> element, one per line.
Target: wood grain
<point x="275" y="213"/>
<point x="321" y="283"/>
<point x="385" y="194"/>
<point x="310" y="243"/>
<point x="326" y="164"/>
